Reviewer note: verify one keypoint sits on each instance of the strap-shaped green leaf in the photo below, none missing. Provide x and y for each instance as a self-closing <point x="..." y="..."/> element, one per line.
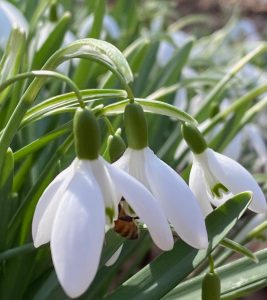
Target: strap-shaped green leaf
<point x="81" y="75"/>
<point x="53" y="41"/>
<point x="163" y="274"/>
<point x="238" y="278"/>
<point x="6" y="182"/>
<point x="12" y="58"/>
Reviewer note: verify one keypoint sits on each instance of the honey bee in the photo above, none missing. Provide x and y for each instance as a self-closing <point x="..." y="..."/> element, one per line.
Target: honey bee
<point x="126" y="225"/>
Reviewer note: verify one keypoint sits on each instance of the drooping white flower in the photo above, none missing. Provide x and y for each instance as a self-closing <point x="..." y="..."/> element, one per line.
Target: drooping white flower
<point x="214" y="178"/>
<point x="170" y="190"/>
<point x="71" y="215"/>
<point x="174" y="196"/>
<point x="75" y="208"/>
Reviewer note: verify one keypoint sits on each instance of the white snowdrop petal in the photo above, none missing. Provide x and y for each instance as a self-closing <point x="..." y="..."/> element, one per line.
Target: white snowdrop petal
<point x="177" y="201"/>
<point x="145" y="206"/>
<point x="114" y="257"/>
<point x="78" y="235"/>
<point x="47" y="206"/>
<point x="103" y="179"/>
<point x="123" y="161"/>
<point x="236" y="178"/>
<point x="198" y="186"/>
<point x="136" y="165"/>
<point x="110" y="196"/>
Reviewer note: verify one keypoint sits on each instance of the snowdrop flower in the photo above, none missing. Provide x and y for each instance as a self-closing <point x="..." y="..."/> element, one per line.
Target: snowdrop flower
<point x="250" y="133"/>
<point x="214" y="177"/>
<point x="74" y="209"/>
<point x="170" y="190"/>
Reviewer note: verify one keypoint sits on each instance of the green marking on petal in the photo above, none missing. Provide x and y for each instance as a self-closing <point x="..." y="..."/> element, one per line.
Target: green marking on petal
<point x="218" y="189"/>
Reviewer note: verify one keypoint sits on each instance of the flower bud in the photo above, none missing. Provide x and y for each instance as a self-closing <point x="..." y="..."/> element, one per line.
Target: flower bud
<point x="86" y="134"/>
<point x="116" y="146"/>
<point x="211" y="287"/>
<point x="135" y="126"/>
<point x="194" y="138"/>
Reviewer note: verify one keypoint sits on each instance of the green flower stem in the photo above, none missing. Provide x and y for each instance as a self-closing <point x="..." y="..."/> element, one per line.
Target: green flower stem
<point x="109" y="126"/>
<point x="211" y="264"/>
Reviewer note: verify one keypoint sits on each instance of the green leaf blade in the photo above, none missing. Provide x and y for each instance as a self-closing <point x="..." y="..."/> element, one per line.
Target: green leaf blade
<point x="238" y="278"/>
<point x="149" y="283"/>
